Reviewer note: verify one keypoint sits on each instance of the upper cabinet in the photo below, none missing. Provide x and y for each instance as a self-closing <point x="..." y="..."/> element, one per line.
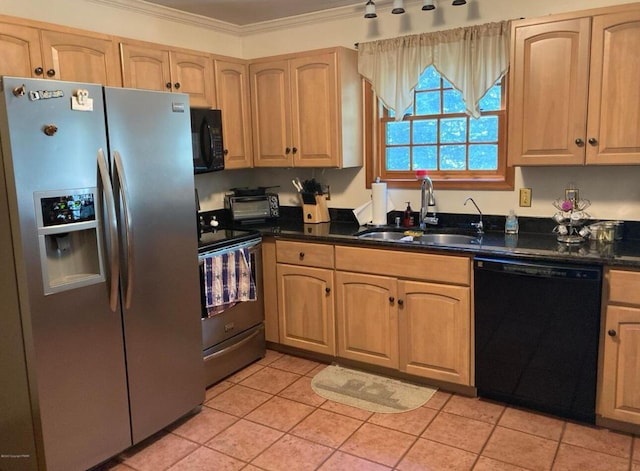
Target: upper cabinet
<point x="63" y="54"/>
<point x="156" y="67"/>
<point x="307" y="110"/>
<point x="232" y="97"/>
<point x="573" y="98"/>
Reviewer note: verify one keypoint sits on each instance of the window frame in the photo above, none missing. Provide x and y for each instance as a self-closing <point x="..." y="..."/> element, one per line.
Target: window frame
<point x="503" y="178"/>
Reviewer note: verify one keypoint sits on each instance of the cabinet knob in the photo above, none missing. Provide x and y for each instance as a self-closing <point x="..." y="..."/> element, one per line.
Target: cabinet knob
<point x="400" y="302"/>
<point x="391" y="299"/>
<point x="168" y="85"/>
<point x="287" y="150"/>
<point x="593" y="141"/>
<point x="327" y="290"/>
<point x="295" y="149"/>
<point x="226" y="152"/>
<point x="579" y="142"/>
<point x="301" y="255"/>
<point x="38" y="71"/>
<point x="176" y="85"/>
<point x="612" y="333"/>
<point x="51" y="72"/>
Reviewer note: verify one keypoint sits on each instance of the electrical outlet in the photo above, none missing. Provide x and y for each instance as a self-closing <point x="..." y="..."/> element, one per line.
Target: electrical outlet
<point x="525" y="197"/>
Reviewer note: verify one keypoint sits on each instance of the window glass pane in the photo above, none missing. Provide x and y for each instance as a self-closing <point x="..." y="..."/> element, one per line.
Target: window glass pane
<point x="429" y="80"/>
<point x="425" y="158"/>
<point x="491" y="100"/>
<point x="425" y="132"/>
<point x="446" y="83"/>
<point x="483" y="157"/>
<point x="452" y="102"/>
<point x="453" y="130"/>
<point x="453" y="157"/>
<point x="398" y="158"/>
<point x="398" y="133"/>
<point x="427" y="103"/>
<point x="484" y="129"/>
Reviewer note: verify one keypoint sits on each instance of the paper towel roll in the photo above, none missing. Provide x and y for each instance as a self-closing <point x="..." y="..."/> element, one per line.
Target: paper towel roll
<point x="379" y="200"/>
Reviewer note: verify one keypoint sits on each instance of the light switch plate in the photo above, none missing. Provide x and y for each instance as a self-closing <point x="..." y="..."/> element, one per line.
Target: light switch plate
<point x="525" y="197"/>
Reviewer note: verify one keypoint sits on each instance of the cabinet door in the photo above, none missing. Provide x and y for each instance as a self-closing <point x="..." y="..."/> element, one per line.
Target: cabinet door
<point x="146" y="67"/>
<point x="232" y="92"/>
<point x="20" y="51"/>
<point x="548" y="93"/>
<point x="314" y="109"/>
<point x="613" y="129"/>
<point x="435" y="331"/>
<point x="367" y="318"/>
<point x="193" y="74"/>
<point x="620" y="379"/>
<point x="270" y="111"/>
<point x="305" y="308"/>
<point x="78" y="58"/>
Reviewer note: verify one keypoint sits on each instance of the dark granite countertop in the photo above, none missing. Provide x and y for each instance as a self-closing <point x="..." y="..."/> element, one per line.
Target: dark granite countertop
<point x="534" y="241"/>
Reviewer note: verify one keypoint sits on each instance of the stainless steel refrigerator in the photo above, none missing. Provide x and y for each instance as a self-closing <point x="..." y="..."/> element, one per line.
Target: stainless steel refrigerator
<point x="100" y="337"/>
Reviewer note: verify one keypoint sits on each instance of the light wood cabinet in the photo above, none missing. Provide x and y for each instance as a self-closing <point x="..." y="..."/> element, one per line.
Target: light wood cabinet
<point x="232" y="97"/>
<point x="155" y="67"/>
<point x="367" y="318"/>
<point x="572" y="98"/>
<point x="305" y="296"/>
<point x="306" y="110"/>
<point x="63" y="54"/>
<point x="619" y="381"/>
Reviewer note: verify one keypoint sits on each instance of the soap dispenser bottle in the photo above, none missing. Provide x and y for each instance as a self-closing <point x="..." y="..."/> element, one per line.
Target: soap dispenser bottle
<point x="408" y="216"/>
<point x="511" y="224"/>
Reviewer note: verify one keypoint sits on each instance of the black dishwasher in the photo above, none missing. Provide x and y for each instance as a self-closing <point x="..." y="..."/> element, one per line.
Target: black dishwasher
<point x="536" y="334"/>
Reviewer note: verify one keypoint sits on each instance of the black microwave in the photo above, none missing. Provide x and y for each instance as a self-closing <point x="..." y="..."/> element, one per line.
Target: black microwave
<point x="206" y="135"/>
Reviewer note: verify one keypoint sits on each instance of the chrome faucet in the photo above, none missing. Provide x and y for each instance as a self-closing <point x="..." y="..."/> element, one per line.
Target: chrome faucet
<point x="427" y="198"/>
<point x="478" y="225"/>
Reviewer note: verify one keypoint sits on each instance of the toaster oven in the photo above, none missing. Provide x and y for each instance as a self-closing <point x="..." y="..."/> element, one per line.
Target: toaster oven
<point x="253" y="208"/>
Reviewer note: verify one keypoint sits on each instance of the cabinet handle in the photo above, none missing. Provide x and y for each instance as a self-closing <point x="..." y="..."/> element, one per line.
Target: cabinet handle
<point x="168" y="85"/>
<point x="295" y="149"/>
<point x="51" y="72"/>
<point x="579" y="142"/>
<point x="612" y="333"/>
<point x="400" y="302"/>
<point x="287" y="150"/>
<point x="226" y="152"/>
<point x="593" y="141"/>
<point x="391" y="299"/>
<point x="38" y="70"/>
<point x="327" y="290"/>
<point x="301" y="255"/>
<point x="176" y="85"/>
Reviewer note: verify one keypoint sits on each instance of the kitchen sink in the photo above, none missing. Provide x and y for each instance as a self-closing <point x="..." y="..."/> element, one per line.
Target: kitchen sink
<point x="417" y="237"/>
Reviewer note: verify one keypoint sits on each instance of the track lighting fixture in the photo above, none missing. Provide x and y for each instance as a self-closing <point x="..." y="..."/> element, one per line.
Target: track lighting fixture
<point x="370" y="10"/>
<point x="428" y="5"/>
<point x="459" y="2"/>
<point x="398" y="7"/>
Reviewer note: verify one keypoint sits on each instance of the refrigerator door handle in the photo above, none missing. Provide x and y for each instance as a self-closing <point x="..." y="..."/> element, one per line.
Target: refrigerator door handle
<point x="122" y="188"/>
<point x="112" y="227"/>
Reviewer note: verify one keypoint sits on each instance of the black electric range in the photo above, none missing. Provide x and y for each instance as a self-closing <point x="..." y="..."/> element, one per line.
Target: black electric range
<point x="211" y="239"/>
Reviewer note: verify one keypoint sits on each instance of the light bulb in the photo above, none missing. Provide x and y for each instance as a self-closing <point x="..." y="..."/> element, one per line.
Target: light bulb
<point x="428" y="5"/>
<point x="398" y="7"/>
<point x="370" y="10"/>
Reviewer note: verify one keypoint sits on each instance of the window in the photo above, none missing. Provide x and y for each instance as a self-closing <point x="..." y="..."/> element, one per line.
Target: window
<point x="437" y="135"/>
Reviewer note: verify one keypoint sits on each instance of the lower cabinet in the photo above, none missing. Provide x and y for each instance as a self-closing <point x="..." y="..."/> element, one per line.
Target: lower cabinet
<point x="619" y="397"/>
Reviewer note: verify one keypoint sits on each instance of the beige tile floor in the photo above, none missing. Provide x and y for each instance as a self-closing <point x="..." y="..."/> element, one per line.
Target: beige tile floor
<point x="267" y="417"/>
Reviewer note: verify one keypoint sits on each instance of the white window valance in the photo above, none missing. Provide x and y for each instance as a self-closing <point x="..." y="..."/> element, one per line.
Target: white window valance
<point x="471" y="58"/>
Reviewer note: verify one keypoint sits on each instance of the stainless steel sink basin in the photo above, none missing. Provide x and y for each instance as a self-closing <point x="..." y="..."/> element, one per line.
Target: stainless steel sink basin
<point x="446" y="239"/>
<point x="384" y="235"/>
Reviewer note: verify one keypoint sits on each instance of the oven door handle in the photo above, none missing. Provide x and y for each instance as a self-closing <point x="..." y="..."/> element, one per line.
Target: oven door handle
<point x="233" y="347"/>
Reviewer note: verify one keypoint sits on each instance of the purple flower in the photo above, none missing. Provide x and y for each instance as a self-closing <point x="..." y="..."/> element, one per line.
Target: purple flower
<point x="567" y="205"/>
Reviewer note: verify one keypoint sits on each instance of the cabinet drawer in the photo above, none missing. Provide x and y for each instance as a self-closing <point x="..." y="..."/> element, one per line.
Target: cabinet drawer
<point x="623" y="287"/>
<point x="302" y="253"/>
<point x="421" y="266"/>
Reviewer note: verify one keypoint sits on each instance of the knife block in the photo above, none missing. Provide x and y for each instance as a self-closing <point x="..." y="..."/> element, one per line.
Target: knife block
<point x="316" y="213"/>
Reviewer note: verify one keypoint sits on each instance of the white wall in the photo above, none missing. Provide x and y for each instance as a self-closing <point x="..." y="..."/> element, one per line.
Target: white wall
<point x="613" y="191"/>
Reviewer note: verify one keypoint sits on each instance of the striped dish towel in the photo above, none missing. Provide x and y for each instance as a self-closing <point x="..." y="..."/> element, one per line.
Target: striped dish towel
<point x="228" y="280"/>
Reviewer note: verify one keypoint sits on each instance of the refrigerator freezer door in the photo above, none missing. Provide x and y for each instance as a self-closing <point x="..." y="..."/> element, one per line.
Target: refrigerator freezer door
<point x="73" y="341"/>
<point x="150" y="134"/>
